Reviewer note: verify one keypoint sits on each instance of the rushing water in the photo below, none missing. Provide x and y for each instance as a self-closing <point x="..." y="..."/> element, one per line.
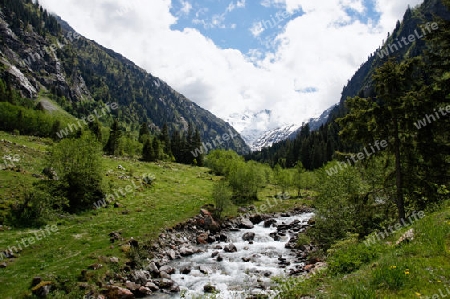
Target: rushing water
<point x="233" y="277"/>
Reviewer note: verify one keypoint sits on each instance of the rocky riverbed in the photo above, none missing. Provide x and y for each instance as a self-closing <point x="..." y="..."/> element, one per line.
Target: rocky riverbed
<point x="235" y="259"/>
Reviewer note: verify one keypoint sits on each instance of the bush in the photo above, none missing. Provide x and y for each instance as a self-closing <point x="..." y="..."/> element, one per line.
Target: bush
<point x="37" y="207"/>
<point x="335" y="210"/>
<point x="78" y="165"/>
<point x="222" y="198"/>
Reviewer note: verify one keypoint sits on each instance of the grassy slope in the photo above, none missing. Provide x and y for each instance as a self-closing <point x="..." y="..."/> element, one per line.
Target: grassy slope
<point x="178" y="193"/>
<point x="414" y="270"/>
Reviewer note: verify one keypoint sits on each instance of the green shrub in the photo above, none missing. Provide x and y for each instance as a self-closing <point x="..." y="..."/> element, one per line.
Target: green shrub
<point x="78" y="165"/>
<point x="37" y="208"/>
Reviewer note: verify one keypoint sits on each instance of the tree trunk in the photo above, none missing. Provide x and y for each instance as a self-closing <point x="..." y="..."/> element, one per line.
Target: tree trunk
<point x="398" y="173"/>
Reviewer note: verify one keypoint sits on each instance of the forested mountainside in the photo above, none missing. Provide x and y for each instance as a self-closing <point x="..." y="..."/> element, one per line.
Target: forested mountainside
<point x="315" y="148"/>
<point x="41" y="55"/>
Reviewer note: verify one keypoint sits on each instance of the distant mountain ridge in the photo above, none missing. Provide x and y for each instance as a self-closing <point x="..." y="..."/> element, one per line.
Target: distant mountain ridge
<point x="39" y="54"/>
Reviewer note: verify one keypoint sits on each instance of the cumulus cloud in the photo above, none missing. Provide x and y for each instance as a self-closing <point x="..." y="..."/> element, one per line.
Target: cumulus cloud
<point x="316" y="53"/>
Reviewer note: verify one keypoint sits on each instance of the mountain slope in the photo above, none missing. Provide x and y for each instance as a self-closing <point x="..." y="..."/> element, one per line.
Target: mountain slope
<point x="317" y="148"/>
<point x="42" y="54"/>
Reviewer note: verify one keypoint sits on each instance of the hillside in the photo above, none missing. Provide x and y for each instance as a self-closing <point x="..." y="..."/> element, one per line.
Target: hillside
<point x="41" y="53"/>
<point x="316" y="149"/>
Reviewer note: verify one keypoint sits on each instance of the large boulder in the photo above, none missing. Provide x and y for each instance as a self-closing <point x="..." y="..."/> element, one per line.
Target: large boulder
<point x="255" y="219"/>
<point x="140" y="276"/>
<point x="167" y="269"/>
<point x="248" y="236"/>
<point x="186" y="250"/>
<point x="245" y="223"/>
<point x="210" y="224"/>
<point x="269" y="222"/>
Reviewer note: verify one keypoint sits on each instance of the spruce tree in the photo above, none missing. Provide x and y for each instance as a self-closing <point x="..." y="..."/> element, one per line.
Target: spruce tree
<point x="112" y="146"/>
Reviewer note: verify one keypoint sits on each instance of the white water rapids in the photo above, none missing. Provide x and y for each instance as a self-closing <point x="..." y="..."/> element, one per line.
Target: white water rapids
<point x="232" y="277"/>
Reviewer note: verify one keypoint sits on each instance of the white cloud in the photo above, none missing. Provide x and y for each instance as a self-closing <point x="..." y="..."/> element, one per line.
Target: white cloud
<point x="240" y="4"/>
<point x="185" y="7"/>
<point x="356" y="5"/>
<point x="314" y="53"/>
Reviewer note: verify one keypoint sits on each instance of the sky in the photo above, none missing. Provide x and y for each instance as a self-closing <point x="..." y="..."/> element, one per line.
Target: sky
<point x="292" y="57"/>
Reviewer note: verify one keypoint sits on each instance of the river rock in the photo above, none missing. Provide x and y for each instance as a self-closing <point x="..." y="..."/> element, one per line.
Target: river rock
<point x="172" y="255"/>
<point x="132" y="286"/>
<point x="118" y="292"/>
<point x="223" y="238"/>
<point x="186" y="251"/>
<point x="209" y="288"/>
<point x="167" y="269"/>
<point x="175" y="288"/>
<point x="202" y="238"/>
<point x="185" y="270"/>
<point x="164" y="283"/>
<point x="145" y="291"/>
<point x="276" y="237"/>
<point x="140" y="276"/>
<point x="152" y="286"/>
<point x="210" y="224"/>
<point x="267" y="273"/>
<point x="248" y="236"/>
<point x="153" y="268"/>
<point x="203" y="269"/>
<point x="245" y="224"/>
<point x="163" y="274"/>
<point x="230" y="248"/>
<point x="255" y="219"/>
<point x="214" y="254"/>
<point x="270" y="222"/>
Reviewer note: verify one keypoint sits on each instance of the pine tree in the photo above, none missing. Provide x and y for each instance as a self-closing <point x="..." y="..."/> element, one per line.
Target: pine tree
<point x="175" y="145"/>
<point x="165" y="139"/>
<point x="148" y="154"/>
<point x="112" y="146"/>
<point x="156" y="146"/>
<point x="144" y="133"/>
<point x="197" y="143"/>
<point x="96" y="129"/>
<point x="388" y="117"/>
<point x="56" y="127"/>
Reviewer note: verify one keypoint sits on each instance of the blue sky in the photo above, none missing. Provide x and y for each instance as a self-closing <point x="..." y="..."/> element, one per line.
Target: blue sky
<point x="231" y="24"/>
<point x="229" y="57"/>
